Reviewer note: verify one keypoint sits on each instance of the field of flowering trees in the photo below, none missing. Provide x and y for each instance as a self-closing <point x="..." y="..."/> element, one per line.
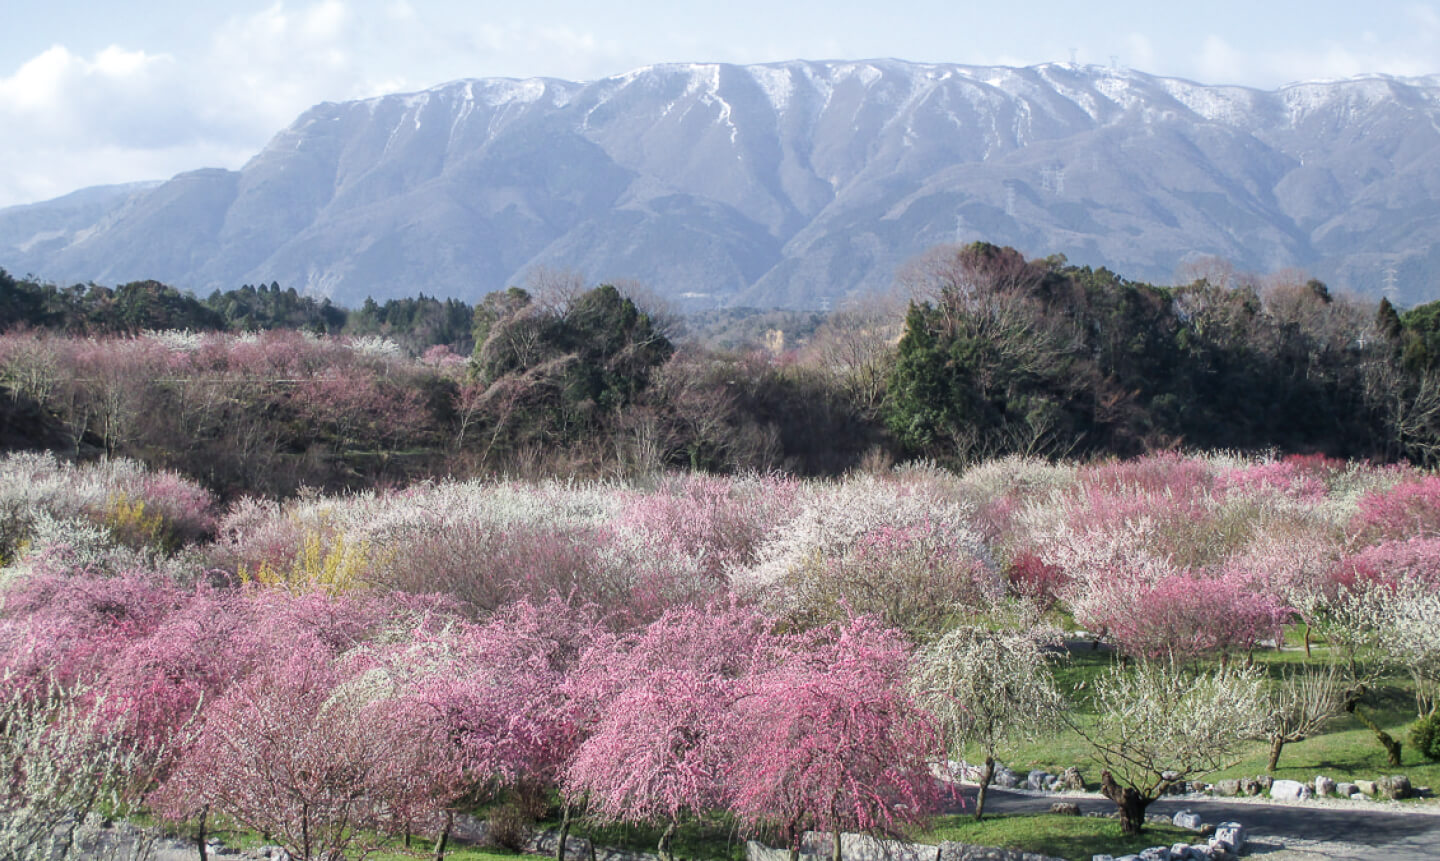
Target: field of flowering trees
<point x="336" y="672"/>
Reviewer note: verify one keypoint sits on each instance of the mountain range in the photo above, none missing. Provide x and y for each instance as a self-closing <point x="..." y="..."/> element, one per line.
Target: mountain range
<point x="794" y="184"/>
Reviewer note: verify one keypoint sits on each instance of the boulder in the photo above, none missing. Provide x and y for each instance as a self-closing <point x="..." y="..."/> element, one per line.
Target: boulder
<point x="1394" y="786"/>
<point x="1289" y="790"/>
<point x="1324" y="786"/>
<point x="1227" y="788"/>
<point x="1065" y="808"/>
<point x="470" y="829"/>
<point x="1230" y="835"/>
<point x="1366" y="786"/>
<point x="1187" y="819"/>
<point x="1035" y="780"/>
<point x="864" y="847"/>
<point x="1346" y="789"/>
<point x="1155" y="853"/>
<point x="1264" y="782"/>
<point x="1072" y="780"/>
<point x="1249" y="786"/>
<point x="1007" y="779"/>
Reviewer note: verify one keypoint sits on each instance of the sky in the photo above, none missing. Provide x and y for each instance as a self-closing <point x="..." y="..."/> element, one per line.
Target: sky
<point x="102" y="92"/>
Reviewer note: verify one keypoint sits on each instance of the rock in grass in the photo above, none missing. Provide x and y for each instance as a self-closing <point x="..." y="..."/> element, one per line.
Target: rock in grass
<point x="1394" y="786"/>
<point x="1289" y="790"/>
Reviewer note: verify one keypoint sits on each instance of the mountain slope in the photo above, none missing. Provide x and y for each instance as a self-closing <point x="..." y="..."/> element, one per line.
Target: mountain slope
<point x="785" y="184"/>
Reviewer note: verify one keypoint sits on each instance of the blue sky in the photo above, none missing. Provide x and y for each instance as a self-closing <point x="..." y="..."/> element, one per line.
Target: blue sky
<point x="98" y="92"/>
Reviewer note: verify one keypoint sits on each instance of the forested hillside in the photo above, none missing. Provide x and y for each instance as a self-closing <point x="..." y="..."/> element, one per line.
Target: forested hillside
<point x="261" y="389"/>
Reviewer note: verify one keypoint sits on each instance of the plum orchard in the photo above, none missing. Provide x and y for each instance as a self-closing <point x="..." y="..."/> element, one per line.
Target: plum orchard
<point x="338" y="671"/>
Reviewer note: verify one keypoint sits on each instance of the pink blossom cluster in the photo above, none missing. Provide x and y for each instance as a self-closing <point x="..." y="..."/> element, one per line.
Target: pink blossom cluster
<point x="321" y="720"/>
<point x="1189" y="556"/>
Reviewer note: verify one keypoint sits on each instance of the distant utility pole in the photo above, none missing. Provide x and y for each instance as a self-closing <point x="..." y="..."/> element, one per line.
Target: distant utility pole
<point x="1052" y="179"/>
<point x="1392" y="287"/>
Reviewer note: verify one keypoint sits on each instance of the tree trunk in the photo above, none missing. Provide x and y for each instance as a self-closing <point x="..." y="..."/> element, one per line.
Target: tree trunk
<point x="835" y="850"/>
<point x="1391" y="745"/>
<point x="564" y="833"/>
<point x="200" y="834"/>
<point x="1131" y="803"/>
<point x="665" y="839"/>
<point x="1307" y="639"/>
<point x="1277" y="742"/>
<point x="443" y="838"/>
<point x="987" y="774"/>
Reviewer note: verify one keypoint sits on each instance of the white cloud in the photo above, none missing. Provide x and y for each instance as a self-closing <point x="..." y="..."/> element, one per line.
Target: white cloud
<point x="125" y="114"/>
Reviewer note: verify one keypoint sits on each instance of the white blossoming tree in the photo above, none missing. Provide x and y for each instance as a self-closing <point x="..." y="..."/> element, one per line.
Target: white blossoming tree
<point x="1160" y="724"/>
<point x="988" y="688"/>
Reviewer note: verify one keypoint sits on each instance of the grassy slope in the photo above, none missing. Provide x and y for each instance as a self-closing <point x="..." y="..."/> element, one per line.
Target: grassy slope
<point x="1345" y="751"/>
<point x="1074" y="837"/>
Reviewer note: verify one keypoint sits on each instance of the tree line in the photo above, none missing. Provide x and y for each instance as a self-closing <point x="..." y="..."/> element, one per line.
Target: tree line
<point x="992" y="353"/>
<point x="415" y="322"/>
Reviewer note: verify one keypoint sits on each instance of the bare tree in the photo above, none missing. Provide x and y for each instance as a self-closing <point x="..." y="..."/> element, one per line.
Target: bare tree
<point x="855" y="347"/>
<point x="553" y="289"/>
<point x="1300" y="706"/>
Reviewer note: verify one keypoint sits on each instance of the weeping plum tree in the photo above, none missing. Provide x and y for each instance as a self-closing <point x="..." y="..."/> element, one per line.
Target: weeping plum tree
<point x="281" y="754"/>
<point x="987" y="687"/>
<point x="829" y="738"/>
<point x="497" y="692"/>
<point x="660" y="702"/>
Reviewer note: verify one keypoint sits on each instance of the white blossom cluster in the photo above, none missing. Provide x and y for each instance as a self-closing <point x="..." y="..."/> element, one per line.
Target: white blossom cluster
<point x="835" y="516"/>
<point x="1160" y="723"/>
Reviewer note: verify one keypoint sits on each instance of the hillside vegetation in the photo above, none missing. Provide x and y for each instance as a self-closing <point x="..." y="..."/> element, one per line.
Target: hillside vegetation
<point x="265" y="390"/>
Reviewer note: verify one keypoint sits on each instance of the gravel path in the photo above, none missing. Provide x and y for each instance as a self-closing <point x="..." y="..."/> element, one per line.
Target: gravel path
<point x="1278" y="832"/>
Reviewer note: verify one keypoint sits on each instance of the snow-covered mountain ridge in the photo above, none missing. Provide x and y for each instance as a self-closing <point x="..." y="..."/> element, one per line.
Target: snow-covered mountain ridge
<point x="793" y="183"/>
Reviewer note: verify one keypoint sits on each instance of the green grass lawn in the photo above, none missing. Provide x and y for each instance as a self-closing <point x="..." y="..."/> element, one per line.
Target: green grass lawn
<point x="1346" y="750"/>
<point x="1073" y="837"/>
